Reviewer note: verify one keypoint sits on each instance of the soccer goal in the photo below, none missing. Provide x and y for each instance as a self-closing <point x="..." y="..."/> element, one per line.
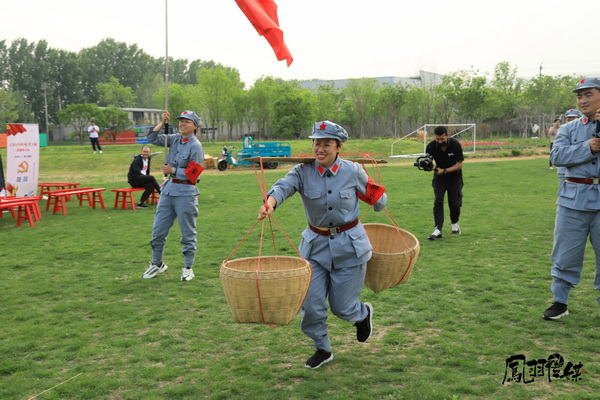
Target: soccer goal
<point x="466" y="134"/>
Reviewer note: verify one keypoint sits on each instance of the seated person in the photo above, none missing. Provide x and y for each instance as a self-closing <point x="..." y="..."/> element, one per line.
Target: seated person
<point x="139" y="175"/>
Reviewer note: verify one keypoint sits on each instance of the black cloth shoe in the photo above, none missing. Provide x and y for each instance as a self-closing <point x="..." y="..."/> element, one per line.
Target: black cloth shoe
<point x="141" y="205"/>
<point x="434" y="237"/>
<point x="365" y="327"/>
<point x="319" y="358"/>
<point x="556" y="311"/>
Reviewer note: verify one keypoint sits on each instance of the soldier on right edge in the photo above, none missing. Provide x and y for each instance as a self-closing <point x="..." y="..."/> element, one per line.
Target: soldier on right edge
<point x="577" y="147"/>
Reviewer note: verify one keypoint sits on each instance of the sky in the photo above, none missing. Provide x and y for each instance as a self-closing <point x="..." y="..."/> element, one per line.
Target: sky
<point x="331" y="39"/>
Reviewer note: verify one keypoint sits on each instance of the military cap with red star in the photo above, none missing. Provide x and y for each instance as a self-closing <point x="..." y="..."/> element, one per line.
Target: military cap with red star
<point x="328" y="130"/>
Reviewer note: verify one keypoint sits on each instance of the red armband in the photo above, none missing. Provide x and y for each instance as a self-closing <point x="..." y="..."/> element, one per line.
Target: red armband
<point x="373" y="192"/>
<point x="193" y="171"/>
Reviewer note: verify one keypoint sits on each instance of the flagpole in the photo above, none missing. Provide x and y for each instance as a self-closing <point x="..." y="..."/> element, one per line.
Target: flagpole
<point x="166" y="79"/>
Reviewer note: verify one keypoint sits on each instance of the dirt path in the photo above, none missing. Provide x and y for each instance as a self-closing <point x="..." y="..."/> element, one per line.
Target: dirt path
<point x="99" y="177"/>
<point x="285" y="167"/>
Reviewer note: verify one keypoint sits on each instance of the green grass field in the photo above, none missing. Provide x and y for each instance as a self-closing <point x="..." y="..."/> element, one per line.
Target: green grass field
<point x="73" y="304"/>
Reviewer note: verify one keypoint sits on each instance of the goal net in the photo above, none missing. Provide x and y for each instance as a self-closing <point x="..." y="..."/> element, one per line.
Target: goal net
<point x="408" y="145"/>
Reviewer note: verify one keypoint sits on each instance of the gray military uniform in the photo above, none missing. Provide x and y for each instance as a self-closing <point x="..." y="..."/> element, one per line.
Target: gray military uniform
<point x="338" y="262"/>
<point x="177" y="200"/>
<point x="578" y="210"/>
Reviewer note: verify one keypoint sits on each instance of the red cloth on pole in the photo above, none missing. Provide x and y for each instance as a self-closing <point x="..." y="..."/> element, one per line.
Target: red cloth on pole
<point x="262" y="14"/>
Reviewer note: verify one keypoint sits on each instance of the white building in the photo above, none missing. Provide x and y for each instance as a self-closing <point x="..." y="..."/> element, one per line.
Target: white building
<point x="424" y="79"/>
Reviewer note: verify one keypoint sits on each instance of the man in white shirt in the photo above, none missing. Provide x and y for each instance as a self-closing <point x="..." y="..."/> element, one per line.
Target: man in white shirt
<point x="93" y="131"/>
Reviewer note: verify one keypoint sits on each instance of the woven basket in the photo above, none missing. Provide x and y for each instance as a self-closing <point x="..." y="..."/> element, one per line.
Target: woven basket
<point x="395" y="252"/>
<point x="270" y="293"/>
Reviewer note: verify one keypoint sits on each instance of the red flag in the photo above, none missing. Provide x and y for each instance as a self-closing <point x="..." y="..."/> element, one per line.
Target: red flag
<point x="13" y="129"/>
<point x="262" y="14"/>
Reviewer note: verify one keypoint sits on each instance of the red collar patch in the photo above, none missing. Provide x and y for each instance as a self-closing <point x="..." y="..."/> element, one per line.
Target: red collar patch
<point x="334" y="169"/>
<point x="586" y="120"/>
<point x="185" y="140"/>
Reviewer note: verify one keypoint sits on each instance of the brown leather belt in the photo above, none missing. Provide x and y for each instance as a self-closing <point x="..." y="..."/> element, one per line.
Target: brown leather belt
<point x="335" y="230"/>
<point x="587" y="181"/>
<point x="182" y="181"/>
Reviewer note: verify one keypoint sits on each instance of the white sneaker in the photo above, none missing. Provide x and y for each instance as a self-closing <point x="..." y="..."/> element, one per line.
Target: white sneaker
<point x="100" y="151"/>
<point x="94" y="151"/>
<point x="154" y="270"/>
<point x="187" y="274"/>
<point x="455" y="229"/>
<point x="437" y="234"/>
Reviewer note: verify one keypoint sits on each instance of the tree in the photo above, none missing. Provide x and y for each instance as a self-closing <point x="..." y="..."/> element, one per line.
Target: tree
<point x="292" y="114"/>
<point x="263" y="96"/>
<point x="8" y="108"/>
<point x="112" y="93"/>
<point x="390" y="102"/>
<point x="550" y="95"/>
<point x="4" y="65"/>
<point x="505" y="93"/>
<point x="467" y="92"/>
<point x="13" y="108"/>
<point x="150" y="85"/>
<point x="328" y="103"/>
<point x="79" y="115"/>
<point x="418" y="107"/>
<point x="217" y="88"/>
<point x="109" y="58"/>
<point x="362" y="94"/>
<point x="180" y="99"/>
<point x="239" y="114"/>
<point x="111" y="119"/>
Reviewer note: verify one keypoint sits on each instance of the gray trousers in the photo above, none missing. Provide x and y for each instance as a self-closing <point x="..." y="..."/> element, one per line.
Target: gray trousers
<point x="571" y="231"/>
<point x="343" y="287"/>
<point x="185" y="209"/>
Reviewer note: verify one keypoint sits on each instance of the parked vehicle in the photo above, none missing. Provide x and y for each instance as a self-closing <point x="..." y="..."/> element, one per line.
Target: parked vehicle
<point x="250" y="148"/>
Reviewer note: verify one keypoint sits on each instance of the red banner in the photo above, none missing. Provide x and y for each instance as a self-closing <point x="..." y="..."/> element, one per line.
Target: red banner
<point x="262" y="14"/>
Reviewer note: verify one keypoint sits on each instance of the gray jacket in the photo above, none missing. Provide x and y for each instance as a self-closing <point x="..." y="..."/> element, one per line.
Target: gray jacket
<point x="571" y="150"/>
<point x="330" y="200"/>
<point x="181" y="152"/>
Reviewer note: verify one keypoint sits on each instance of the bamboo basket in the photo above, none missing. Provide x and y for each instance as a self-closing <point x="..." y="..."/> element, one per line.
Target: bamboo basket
<point x="395" y="252"/>
<point x="268" y="289"/>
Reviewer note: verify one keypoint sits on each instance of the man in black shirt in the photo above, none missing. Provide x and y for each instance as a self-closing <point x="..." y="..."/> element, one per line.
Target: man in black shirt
<point x="139" y="175"/>
<point x="447" y="177"/>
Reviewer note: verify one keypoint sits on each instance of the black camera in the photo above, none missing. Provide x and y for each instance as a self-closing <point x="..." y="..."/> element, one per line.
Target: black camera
<point x="424" y="163"/>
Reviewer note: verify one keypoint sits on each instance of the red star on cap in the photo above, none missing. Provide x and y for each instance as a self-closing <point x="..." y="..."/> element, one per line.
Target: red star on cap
<point x="186" y="112"/>
<point x="582" y="81"/>
<point x="323" y="126"/>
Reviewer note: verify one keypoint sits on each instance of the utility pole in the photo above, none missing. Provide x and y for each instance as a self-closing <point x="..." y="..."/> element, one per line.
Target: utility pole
<point x="540" y="69"/>
<point x="45" y="88"/>
<point x="61" y="129"/>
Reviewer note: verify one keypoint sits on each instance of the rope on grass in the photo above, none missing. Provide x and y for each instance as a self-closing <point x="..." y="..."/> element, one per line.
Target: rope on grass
<point x="58" y="384"/>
